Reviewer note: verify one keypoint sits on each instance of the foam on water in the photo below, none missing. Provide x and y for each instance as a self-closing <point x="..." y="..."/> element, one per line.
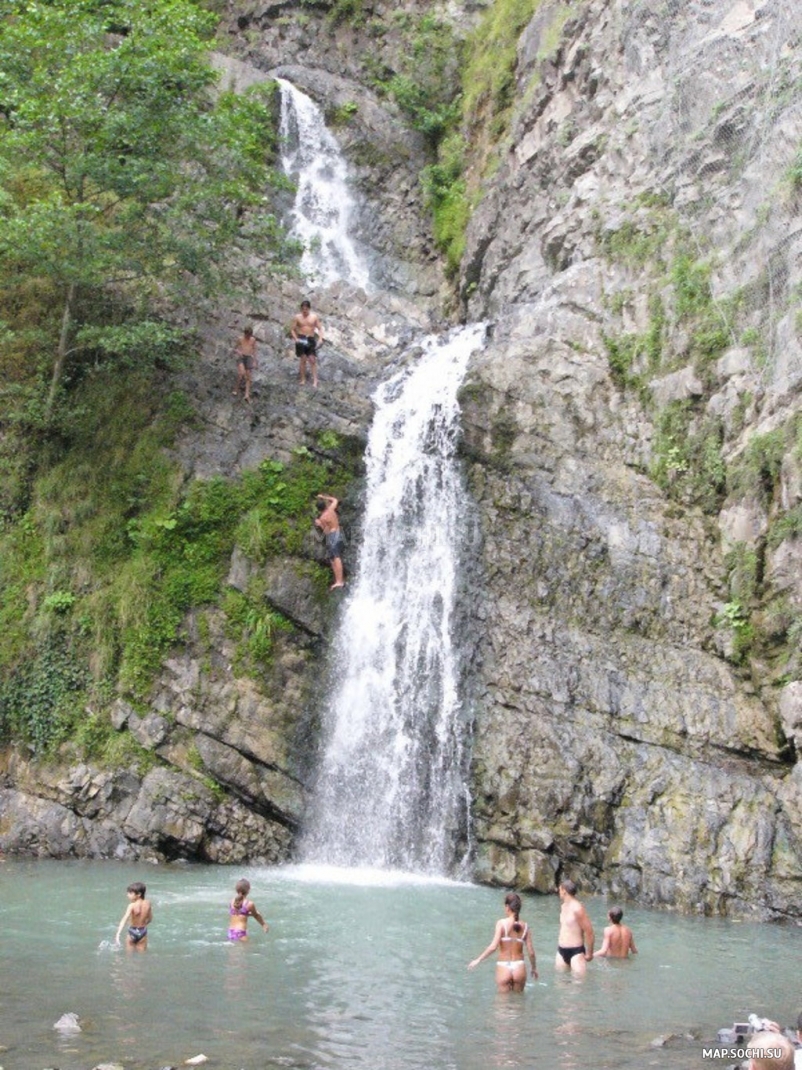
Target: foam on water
<point x="360" y="876"/>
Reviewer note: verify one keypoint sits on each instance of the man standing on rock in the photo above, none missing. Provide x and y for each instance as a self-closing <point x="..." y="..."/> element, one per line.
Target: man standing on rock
<point x="575" y="939"/>
<point x="307" y="333"/>
<point x="329" y="524"/>
<point x="246" y="362"/>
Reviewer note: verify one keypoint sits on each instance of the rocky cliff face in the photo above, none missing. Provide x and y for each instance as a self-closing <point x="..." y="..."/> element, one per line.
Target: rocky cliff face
<point x="622" y="737"/>
<point x="632" y="442"/>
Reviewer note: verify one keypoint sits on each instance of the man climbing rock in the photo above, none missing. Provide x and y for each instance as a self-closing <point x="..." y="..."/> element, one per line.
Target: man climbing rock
<point x="329" y="524"/>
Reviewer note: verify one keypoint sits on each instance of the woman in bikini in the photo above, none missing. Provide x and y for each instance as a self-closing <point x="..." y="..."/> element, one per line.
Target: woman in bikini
<point x="510" y="938"/>
<point x="239" y="910"/>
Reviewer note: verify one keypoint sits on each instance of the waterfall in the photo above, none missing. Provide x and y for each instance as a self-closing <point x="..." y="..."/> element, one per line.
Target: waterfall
<point x="323" y="202"/>
<point x="392" y="788"/>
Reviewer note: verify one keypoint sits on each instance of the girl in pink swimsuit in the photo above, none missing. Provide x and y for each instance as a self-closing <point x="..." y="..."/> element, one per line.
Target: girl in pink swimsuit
<point x="239" y="910"/>
<point x="510" y="939"/>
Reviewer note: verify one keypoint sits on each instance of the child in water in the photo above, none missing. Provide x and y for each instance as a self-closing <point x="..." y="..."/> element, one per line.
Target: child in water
<point x="619" y="943"/>
<point x="240" y="909"/>
<point x="137" y="917"/>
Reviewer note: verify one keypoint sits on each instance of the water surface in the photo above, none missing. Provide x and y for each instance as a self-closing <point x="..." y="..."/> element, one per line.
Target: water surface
<point x="360" y="971"/>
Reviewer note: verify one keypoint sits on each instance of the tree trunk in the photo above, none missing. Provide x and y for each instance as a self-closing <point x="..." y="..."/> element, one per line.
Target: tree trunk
<point x="61" y="352"/>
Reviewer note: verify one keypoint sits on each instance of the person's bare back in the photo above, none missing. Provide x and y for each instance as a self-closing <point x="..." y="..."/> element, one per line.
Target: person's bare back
<point x="329" y="523"/>
<point x="618" y="942"/>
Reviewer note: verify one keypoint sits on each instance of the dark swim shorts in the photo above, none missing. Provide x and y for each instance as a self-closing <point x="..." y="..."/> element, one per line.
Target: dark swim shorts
<point x="306" y="346"/>
<point x="246" y="361"/>
<point x="334" y="544"/>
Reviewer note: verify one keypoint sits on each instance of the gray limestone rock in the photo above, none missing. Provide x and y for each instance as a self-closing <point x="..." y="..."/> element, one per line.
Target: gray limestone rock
<point x="617" y="737"/>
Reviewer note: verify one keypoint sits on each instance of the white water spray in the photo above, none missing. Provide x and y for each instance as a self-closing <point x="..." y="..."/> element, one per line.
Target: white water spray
<point x="391" y="790"/>
<point x="323" y="202"/>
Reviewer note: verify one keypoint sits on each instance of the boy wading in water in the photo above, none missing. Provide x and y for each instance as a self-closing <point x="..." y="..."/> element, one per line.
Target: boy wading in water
<point x="246" y="362"/>
<point x="618" y="943"/>
<point x="137" y="917"/>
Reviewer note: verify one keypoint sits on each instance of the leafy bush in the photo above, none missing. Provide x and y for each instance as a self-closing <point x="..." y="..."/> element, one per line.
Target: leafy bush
<point x="120" y="166"/>
<point x="445" y="189"/>
<point x="687" y="456"/>
<point x="426" y="88"/>
<point x="489" y="76"/>
<point x="114" y="550"/>
<point x="44" y="696"/>
<point x="758" y="472"/>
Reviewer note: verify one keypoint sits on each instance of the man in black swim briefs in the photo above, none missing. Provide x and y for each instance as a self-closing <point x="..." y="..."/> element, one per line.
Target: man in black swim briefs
<point x="575" y="939"/>
<point x="307" y="333"/>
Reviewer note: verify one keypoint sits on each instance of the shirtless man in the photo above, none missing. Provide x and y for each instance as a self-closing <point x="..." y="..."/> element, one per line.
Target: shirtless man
<point x="307" y="333"/>
<point x="575" y="939"/>
<point x="329" y="524"/>
<point x="246" y="362"/>
<point x="618" y="942"/>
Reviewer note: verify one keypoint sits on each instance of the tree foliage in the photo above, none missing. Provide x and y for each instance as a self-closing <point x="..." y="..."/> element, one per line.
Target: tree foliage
<point x="126" y="178"/>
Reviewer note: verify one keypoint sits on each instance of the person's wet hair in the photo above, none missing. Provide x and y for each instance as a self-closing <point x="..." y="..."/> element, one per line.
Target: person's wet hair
<point x="513" y="901"/>
<point x="569" y="886"/>
<point x="615" y="915"/>
<point x="137" y="889"/>
<point x="305" y="304"/>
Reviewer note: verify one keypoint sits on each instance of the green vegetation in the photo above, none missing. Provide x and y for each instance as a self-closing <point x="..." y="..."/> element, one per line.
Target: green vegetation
<point x="447" y="86"/>
<point x="129" y="188"/>
<point x="346" y="11"/>
<point x="687" y="460"/>
<point x="491" y="56"/>
<point x="795" y="172"/>
<point x="735" y="617"/>
<point x="503" y="432"/>
<point x="488" y="79"/>
<point x="100" y="572"/>
<point x="446" y="191"/>
<point x="634" y="357"/>
<point x="635" y="243"/>
<point x="343" y="114"/>
<point x="770" y="628"/>
<point x="254" y="627"/>
<point x="757" y="473"/>
<point x="426" y="88"/>
<point x="743" y="567"/>
<point x="123" y="176"/>
<point x="711" y="324"/>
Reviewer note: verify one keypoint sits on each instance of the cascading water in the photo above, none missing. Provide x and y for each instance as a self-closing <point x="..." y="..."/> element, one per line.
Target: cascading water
<point x="392" y="784"/>
<point x="323" y="202"/>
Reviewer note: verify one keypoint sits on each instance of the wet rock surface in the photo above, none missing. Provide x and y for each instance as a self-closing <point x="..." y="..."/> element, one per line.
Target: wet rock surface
<point x="618" y="738"/>
<point x="616" y="741"/>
